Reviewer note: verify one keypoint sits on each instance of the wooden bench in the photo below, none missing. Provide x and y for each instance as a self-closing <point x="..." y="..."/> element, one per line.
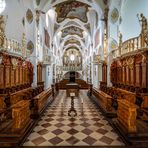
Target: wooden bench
<point x="40" y="102"/>
<point x="20" y="95"/>
<point x="127" y="116"/>
<point x="21" y="114"/>
<point x="104" y="98"/>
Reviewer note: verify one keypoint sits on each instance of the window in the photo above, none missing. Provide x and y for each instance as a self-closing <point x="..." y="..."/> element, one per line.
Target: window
<point x="2" y="5"/>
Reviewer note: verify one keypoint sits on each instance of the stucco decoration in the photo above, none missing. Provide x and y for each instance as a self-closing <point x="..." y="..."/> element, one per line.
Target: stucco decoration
<point x="23" y="21"/>
<point x="30" y="46"/>
<point x="3" y="20"/>
<point x="113" y="44"/>
<point x="72" y="30"/>
<point x="114" y="15"/>
<point x="87" y="26"/>
<point x="38" y="2"/>
<point x="29" y="16"/>
<point x="72" y="9"/>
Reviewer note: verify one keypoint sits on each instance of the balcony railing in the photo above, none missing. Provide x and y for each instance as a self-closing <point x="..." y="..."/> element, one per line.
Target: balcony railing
<point x="72" y="68"/>
<point x="15" y="48"/>
<point x="131" y="45"/>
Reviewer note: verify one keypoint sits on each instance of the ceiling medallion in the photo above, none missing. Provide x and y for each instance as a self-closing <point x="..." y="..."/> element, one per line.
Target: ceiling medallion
<point x="72" y="30"/>
<point x="30" y="46"/>
<point x="29" y="16"/>
<point x="72" y="10"/>
<point x="114" y="15"/>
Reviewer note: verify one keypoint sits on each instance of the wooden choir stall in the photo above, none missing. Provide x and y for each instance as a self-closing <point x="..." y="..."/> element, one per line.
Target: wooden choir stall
<point x="126" y="101"/>
<point x="20" y="103"/>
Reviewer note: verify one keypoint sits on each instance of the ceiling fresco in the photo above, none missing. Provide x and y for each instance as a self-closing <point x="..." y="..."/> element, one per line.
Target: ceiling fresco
<point x="72" y="23"/>
<point x="72" y="9"/>
<point x="72" y="30"/>
<point x="72" y="47"/>
<point x="72" y="41"/>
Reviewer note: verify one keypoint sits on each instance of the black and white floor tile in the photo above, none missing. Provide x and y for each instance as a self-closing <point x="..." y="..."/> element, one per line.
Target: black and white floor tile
<point x="56" y="128"/>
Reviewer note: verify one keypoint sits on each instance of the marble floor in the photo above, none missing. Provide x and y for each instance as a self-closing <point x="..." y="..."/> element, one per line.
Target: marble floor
<point x="56" y="128"/>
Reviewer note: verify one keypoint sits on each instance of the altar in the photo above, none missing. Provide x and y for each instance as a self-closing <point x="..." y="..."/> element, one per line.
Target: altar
<point x="72" y="88"/>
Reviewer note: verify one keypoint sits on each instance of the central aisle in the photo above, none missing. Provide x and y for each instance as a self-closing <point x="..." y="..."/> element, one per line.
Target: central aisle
<point x="91" y="128"/>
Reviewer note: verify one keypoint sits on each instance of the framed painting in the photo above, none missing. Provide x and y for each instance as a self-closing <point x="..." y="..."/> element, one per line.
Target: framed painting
<point x="97" y="38"/>
<point x="47" y="38"/>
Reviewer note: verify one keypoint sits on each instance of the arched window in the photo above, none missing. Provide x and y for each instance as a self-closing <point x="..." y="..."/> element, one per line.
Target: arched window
<point x="2" y="5"/>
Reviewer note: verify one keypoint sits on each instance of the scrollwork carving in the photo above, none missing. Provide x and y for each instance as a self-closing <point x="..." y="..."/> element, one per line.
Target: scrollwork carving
<point x="2" y="29"/>
<point x="130" y="62"/>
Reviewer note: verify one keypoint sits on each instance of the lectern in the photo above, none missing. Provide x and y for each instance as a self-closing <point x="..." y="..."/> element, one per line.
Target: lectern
<point x="72" y="88"/>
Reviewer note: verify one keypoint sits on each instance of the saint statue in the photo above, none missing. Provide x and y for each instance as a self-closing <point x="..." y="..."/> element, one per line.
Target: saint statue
<point x="143" y="22"/>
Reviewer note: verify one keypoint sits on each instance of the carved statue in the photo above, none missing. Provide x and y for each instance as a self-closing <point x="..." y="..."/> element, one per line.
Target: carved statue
<point x="143" y="22"/>
<point x="120" y="39"/>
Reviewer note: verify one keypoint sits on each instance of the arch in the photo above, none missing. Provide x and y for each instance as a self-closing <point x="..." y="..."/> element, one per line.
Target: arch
<point x="78" y="75"/>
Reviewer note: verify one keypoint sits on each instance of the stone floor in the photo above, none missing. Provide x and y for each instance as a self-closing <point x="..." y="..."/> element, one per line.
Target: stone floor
<point x="57" y="129"/>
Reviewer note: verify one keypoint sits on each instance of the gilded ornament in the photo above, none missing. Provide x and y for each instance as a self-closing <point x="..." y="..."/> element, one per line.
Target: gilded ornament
<point x="29" y="16"/>
<point x="30" y="46"/>
<point x="130" y="63"/>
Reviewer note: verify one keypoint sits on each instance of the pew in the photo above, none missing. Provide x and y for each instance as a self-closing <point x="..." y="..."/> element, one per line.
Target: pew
<point x="40" y="102"/>
<point x="127" y="116"/>
<point x="104" y="101"/>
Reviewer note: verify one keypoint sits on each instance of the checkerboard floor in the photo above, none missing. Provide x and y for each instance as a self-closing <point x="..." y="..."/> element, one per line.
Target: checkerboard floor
<point x="56" y="128"/>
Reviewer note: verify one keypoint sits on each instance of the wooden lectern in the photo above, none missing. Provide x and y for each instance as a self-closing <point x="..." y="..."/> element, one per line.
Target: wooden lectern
<point x="72" y="88"/>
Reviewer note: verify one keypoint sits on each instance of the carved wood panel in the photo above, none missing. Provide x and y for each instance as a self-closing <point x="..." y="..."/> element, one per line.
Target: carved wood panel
<point x="17" y="75"/>
<point x="21" y="75"/>
<point x="7" y="76"/>
<point x="137" y="78"/>
<point x="1" y="76"/>
<point x="13" y="76"/>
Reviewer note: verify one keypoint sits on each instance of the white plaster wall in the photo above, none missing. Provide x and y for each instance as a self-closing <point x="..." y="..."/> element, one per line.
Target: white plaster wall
<point x="14" y="26"/>
<point x="130" y="26"/>
<point x="47" y="76"/>
<point x="95" y="76"/>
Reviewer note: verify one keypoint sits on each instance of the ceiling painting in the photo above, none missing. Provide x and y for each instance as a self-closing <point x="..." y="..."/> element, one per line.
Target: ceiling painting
<point x="72" y="23"/>
<point x="72" y="47"/>
<point x="72" y="9"/>
<point x="72" y="30"/>
<point x="72" y="41"/>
